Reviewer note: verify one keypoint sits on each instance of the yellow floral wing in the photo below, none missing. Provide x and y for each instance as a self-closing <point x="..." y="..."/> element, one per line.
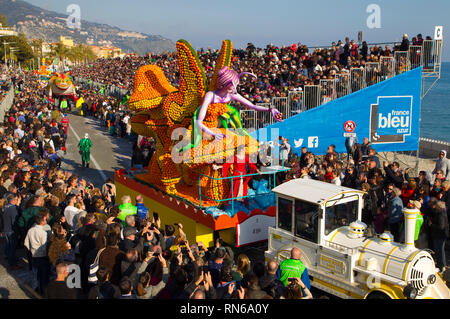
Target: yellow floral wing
<point x="183" y="104"/>
<point x="224" y="59"/>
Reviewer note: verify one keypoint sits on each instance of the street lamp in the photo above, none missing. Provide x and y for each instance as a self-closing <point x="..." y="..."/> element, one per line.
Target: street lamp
<point x="5" y="43"/>
<point x="12" y="49"/>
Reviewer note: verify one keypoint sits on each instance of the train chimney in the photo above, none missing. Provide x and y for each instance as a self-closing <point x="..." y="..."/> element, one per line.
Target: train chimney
<point x="410" y="227"/>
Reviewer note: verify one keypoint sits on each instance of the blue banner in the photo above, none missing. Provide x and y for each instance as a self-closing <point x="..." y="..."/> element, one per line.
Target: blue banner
<point x="387" y="114"/>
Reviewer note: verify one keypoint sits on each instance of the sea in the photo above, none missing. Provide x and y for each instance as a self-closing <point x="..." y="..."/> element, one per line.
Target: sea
<point x="435" y="113"/>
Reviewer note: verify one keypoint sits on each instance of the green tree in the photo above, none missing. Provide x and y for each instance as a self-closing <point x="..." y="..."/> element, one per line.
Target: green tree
<point x="59" y="51"/>
<point x="81" y="53"/>
<point x="3" y="20"/>
<point x="24" y="51"/>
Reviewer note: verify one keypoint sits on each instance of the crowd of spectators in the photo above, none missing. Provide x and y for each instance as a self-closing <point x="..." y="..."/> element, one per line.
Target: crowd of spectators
<point x="60" y="220"/>
<point x="279" y="69"/>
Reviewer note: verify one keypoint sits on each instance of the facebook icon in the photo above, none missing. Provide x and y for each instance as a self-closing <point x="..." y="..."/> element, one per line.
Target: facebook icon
<point x="313" y="141"/>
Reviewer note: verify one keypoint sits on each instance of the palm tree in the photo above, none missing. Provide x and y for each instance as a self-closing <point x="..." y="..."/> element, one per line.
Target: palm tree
<point x="36" y="45"/>
<point x="82" y="53"/>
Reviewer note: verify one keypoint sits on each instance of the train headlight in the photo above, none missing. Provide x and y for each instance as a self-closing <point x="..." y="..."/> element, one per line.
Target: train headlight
<point x="410" y="292"/>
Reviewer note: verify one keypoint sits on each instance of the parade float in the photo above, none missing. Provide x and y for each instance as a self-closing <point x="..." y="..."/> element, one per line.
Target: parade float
<point x="204" y="158"/>
<point x="44" y="72"/>
<point x="61" y="86"/>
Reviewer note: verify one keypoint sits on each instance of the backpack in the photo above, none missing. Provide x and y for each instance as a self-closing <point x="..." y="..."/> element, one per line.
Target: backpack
<point x="92" y="277"/>
<point x="45" y="144"/>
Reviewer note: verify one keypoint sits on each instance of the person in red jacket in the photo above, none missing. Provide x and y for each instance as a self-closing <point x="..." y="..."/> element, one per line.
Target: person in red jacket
<point x="241" y="166"/>
<point x="65" y="123"/>
<point x="408" y="191"/>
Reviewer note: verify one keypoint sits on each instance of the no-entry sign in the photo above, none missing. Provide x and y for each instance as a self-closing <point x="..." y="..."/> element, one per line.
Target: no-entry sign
<point x="349" y="126"/>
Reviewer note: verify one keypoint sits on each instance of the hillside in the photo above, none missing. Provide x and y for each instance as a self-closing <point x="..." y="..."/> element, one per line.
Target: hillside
<point x="39" y="23"/>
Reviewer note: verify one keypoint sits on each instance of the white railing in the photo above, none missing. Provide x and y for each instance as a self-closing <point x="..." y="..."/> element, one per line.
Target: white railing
<point x="427" y="55"/>
<point x="7" y="101"/>
<point x="248" y="118"/>
<point x="281" y="104"/>
<point x="295" y="102"/>
<point x="415" y="56"/>
<point x="342" y="84"/>
<point x="387" y="66"/>
<point x="311" y="96"/>
<point x="373" y="73"/>
<point x="263" y="119"/>
<point x="328" y="90"/>
<point x="402" y="62"/>
<point x="357" y="79"/>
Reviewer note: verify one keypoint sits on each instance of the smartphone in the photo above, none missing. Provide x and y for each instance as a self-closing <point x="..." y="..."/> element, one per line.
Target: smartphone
<point x="155" y="216"/>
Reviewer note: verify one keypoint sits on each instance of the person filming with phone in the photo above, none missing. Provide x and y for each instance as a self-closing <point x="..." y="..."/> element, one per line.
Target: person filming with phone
<point x="294" y="268"/>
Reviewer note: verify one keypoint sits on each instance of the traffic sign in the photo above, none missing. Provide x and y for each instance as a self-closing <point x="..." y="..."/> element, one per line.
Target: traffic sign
<point x="349" y="126"/>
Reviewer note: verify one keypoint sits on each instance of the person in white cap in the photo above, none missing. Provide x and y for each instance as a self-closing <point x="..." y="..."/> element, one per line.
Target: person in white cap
<point x="84" y="145"/>
<point x="404" y="46"/>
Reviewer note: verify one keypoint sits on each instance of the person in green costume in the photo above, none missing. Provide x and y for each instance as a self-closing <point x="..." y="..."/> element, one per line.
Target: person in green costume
<point x="84" y="145"/>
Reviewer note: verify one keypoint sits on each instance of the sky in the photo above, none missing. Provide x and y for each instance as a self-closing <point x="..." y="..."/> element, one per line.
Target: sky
<point x="205" y="23"/>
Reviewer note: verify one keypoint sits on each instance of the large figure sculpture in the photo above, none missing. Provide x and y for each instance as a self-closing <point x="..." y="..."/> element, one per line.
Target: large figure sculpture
<point x="60" y="85"/>
<point x="183" y="162"/>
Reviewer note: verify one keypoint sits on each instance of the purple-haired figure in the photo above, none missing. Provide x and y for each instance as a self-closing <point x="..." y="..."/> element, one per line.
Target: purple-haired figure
<point x="215" y="106"/>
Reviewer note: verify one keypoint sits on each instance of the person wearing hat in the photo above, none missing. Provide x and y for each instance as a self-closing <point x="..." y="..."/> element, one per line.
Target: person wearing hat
<point x="84" y="145"/>
<point x="404" y="46"/>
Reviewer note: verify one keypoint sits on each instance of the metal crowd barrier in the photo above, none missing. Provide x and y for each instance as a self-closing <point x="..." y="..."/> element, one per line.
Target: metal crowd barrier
<point x="357" y="79"/>
<point x="108" y="90"/>
<point x="373" y="73"/>
<point x="7" y="101"/>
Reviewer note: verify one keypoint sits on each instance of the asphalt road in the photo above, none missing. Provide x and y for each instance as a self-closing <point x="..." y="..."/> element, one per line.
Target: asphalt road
<point x="108" y="153"/>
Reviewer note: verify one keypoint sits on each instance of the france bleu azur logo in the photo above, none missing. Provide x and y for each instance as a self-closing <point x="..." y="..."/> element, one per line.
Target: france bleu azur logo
<point x="390" y="119"/>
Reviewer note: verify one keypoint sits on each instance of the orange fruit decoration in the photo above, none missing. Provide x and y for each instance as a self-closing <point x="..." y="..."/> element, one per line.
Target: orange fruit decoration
<point x="161" y="109"/>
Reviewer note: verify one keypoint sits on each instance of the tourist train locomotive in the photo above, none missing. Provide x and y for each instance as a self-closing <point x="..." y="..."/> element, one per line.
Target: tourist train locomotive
<point x="324" y="221"/>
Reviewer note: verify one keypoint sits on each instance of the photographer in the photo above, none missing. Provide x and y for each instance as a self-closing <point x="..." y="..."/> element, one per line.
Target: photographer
<point x="145" y="290"/>
<point x="131" y="240"/>
<point x="185" y="273"/>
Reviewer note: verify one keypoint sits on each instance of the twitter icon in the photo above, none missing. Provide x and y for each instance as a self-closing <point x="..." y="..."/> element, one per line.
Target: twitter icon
<point x="298" y="143"/>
